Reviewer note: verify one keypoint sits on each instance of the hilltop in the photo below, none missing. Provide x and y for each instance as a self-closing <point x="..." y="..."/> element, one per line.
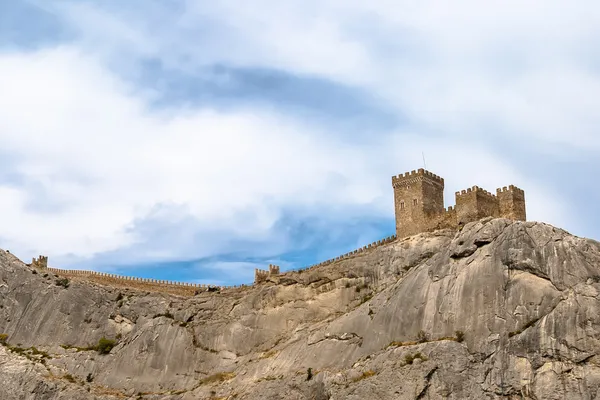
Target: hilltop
<point x="497" y="309"/>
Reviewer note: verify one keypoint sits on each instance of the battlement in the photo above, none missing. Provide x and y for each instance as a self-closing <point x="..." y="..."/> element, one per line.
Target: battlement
<point x="409" y="177"/>
<point x="261" y="275"/>
<point x="273" y="269"/>
<point x="475" y="189"/>
<point x="40" y="262"/>
<point x="420" y="207"/>
<point x="509" y="189"/>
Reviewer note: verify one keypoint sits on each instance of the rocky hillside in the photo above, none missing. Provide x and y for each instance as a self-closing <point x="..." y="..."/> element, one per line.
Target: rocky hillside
<point x="499" y="310"/>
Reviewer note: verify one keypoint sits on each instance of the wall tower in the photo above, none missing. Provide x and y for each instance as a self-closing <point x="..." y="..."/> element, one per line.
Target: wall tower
<point x="511" y="201"/>
<point x="418" y="196"/>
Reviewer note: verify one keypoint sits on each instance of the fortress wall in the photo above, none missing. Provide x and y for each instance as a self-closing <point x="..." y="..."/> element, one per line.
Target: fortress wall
<point x="466" y="206"/>
<point x="352" y="253"/>
<point x="487" y="203"/>
<point x="260" y="275"/>
<point x="444" y="220"/>
<point x="156" y="285"/>
<point x="511" y="202"/>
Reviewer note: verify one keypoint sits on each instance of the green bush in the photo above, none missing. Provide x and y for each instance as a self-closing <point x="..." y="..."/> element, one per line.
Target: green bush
<point x="460" y="336"/>
<point x="309" y="374"/>
<point x="409" y="358"/>
<point x="105" y="345"/>
<point x="422" y="337"/>
<point x="64" y="282"/>
<point x="3" y="338"/>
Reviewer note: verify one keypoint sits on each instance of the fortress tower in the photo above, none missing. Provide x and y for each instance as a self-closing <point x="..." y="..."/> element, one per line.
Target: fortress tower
<point x="419" y="204"/>
<point x="418" y="196"/>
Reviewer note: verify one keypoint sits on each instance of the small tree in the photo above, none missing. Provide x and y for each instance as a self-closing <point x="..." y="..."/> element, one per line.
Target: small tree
<point x="105" y="345"/>
<point x="309" y="374"/>
<point x="460" y="336"/>
<point x="64" y="282"/>
<point x="422" y="337"/>
<point x="3" y="338"/>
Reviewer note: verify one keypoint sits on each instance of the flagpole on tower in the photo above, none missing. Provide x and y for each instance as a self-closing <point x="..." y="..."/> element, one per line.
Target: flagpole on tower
<point x="424" y="165"/>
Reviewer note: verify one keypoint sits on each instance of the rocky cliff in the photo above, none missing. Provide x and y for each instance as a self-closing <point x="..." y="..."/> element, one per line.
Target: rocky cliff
<point x="500" y="309"/>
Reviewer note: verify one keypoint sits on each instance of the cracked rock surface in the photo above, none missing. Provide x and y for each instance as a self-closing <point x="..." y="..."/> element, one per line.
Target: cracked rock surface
<point x="524" y="297"/>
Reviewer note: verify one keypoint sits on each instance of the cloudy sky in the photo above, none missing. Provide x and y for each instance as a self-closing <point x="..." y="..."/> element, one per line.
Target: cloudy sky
<point x="197" y="140"/>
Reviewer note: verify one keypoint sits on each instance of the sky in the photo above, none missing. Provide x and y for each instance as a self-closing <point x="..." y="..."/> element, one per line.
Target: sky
<point x="196" y="141"/>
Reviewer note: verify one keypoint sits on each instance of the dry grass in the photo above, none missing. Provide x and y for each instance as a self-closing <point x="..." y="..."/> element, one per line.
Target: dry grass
<point x="218" y="377"/>
<point x="400" y="344"/>
<point x="366" y="374"/>
<point x="268" y="354"/>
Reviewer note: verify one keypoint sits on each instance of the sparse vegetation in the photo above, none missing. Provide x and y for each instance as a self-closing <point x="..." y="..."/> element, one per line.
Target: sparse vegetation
<point x="67" y="347"/>
<point x="70" y="378"/>
<point x="422" y="337"/>
<point x="64" y="282"/>
<point x="395" y="344"/>
<point x="89" y="378"/>
<point x="33" y="271"/>
<point x="409" y="358"/>
<point x="366" y="374"/>
<point x="460" y="336"/>
<point x="166" y="315"/>
<point x="3" y="339"/>
<point x="269" y="378"/>
<point x="218" y="377"/>
<point x="309" y="374"/>
<point x="105" y="345"/>
<point x="268" y="354"/>
<point x="32" y="353"/>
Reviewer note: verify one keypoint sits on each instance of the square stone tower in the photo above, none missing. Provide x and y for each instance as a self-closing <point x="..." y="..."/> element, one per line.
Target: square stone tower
<point x="511" y="202"/>
<point x="418" y="196"/>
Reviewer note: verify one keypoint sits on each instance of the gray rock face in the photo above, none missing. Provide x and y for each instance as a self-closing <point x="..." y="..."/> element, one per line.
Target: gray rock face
<point x="381" y="325"/>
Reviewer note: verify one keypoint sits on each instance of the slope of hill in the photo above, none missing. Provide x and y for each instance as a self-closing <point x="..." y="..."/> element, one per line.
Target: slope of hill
<point x="500" y="309"/>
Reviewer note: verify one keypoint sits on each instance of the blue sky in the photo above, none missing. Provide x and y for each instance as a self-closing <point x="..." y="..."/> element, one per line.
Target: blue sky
<point x="195" y="141"/>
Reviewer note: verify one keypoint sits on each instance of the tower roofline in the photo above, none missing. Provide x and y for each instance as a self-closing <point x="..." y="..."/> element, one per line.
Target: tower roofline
<point x="420" y="173"/>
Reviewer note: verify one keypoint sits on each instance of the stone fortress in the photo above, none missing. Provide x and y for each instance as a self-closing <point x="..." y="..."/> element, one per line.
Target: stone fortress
<point x="419" y="204"/>
<point x="419" y="207"/>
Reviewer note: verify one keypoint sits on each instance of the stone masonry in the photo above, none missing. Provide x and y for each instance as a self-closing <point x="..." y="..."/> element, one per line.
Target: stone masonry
<point x="261" y="275"/>
<point x="419" y="204"/>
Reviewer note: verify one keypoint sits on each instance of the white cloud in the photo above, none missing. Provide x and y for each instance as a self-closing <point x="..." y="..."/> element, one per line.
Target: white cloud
<point x="86" y="142"/>
<point x="79" y="133"/>
<point x="461" y="67"/>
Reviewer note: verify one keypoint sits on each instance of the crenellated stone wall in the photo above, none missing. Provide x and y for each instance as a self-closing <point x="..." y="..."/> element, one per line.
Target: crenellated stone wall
<point x="419" y="207"/>
<point x="419" y="204"/>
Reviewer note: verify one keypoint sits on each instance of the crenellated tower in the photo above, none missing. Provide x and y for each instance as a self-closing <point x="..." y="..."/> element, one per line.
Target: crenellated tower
<point x="418" y="196"/>
<point x="419" y="204"/>
<point x="512" y="203"/>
